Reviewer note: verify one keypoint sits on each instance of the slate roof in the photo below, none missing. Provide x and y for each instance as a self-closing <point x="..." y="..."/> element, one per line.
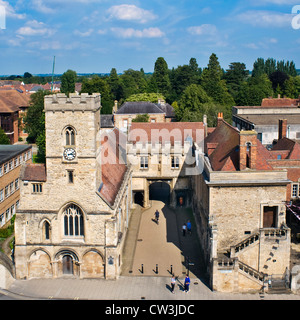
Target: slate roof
<point x="269" y="119"/>
<point x="107" y="121"/>
<point x="167" y="109"/>
<point x="139" y="107"/>
<point x="8" y="152"/>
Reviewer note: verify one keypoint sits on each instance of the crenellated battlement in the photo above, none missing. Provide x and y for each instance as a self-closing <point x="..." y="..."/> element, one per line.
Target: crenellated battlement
<point x="75" y="102"/>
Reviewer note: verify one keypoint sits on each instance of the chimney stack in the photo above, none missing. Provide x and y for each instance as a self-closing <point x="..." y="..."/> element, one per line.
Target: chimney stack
<point x="220" y="118"/>
<point x="115" y="108"/>
<point x="205" y="125"/>
<point x="282" y="128"/>
<point x="248" y="149"/>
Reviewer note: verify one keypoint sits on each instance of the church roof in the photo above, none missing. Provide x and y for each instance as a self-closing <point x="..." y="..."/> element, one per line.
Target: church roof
<point x="113" y="167"/>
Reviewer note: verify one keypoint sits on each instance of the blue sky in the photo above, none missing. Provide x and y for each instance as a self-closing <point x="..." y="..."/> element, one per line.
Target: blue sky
<point x="98" y="35"/>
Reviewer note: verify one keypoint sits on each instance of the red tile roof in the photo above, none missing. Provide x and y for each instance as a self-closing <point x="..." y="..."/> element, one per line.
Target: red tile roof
<point x="114" y="168"/>
<point x="34" y="172"/>
<point x="226" y="156"/>
<point x="165" y="132"/>
<point x="279" y="102"/>
<point x="11" y="100"/>
<point x="290" y="148"/>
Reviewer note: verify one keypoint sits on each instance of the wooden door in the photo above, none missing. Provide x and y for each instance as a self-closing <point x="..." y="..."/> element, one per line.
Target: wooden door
<point x="270" y="215"/>
<point x="67" y="265"/>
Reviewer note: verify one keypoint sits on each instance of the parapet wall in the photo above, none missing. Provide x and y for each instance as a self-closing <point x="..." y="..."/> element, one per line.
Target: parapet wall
<point x="61" y="102"/>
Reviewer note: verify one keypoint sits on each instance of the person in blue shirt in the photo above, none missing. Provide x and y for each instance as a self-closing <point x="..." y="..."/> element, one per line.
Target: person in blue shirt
<point x="189" y="227"/>
<point x="187" y="282"/>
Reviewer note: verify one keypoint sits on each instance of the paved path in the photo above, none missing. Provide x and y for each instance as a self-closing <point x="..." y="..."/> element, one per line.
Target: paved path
<point x="149" y="244"/>
<point x="125" y="288"/>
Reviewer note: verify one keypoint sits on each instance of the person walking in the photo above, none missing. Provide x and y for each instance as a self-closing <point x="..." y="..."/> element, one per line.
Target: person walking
<point x="184" y="230"/>
<point x="189" y="227"/>
<point x="173" y="282"/>
<point x="187" y="282"/>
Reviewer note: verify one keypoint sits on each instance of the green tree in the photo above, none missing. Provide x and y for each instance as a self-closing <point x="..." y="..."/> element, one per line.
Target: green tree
<point x="27" y="75"/>
<point x="212" y="83"/>
<point x="115" y="85"/>
<point x="278" y="79"/>
<point x="141" y="118"/>
<point x="193" y="97"/>
<point x="99" y="85"/>
<point x="254" y="90"/>
<point x="235" y="76"/>
<point x="133" y="82"/>
<point x="68" y="80"/>
<point x="292" y="87"/>
<point x="152" y="97"/>
<point x="34" y="122"/>
<point x="3" y="137"/>
<point x="161" y="76"/>
<point x="258" y="67"/>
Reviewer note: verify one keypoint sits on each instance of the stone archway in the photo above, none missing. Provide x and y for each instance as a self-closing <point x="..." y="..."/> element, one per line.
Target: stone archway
<point x="160" y="190"/>
<point x="67" y="263"/>
<point x="93" y="265"/>
<point x="39" y="265"/>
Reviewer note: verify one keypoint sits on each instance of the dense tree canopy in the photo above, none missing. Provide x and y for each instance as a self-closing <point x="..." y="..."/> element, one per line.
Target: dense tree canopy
<point x="191" y="90"/>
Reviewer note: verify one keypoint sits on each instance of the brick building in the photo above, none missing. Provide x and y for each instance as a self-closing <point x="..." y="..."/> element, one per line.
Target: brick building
<point x="12" y="157"/>
<point x="13" y="105"/>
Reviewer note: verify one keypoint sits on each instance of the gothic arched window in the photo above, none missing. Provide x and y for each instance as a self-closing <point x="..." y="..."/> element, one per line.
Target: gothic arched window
<point x="46" y="230"/>
<point x="73" y="221"/>
<point x="70" y="136"/>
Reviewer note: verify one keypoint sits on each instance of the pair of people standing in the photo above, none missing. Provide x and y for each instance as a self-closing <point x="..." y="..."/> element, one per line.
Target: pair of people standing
<point x="187" y="227"/>
<point x="187" y="282"/>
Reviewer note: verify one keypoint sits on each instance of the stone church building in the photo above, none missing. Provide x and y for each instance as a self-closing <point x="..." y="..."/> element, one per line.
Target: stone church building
<point x="75" y="209"/>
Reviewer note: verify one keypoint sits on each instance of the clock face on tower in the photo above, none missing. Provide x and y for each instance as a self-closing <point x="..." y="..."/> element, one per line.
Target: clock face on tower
<point x="69" y="154"/>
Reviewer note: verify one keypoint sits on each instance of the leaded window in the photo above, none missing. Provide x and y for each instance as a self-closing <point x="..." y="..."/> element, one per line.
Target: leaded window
<point x="73" y="221"/>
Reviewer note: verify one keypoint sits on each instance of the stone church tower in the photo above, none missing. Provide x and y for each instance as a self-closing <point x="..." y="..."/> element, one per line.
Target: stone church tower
<point x="74" y="210"/>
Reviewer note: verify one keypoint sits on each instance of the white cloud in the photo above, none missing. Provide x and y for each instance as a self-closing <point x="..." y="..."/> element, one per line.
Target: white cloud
<point x="204" y="29"/>
<point x="84" y="34"/>
<point x="45" y="45"/>
<point x="10" y="11"/>
<point x="277" y="2"/>
<point x="35" y="28"/>
<point x="260" y="18"/>
<point x="41" y="7"/>
<point x="129" y="12"/>
<point x="133" y="33"/>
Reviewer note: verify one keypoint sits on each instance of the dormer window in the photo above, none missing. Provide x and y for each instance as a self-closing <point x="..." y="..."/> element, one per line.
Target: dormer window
<point x="70" y="136"/>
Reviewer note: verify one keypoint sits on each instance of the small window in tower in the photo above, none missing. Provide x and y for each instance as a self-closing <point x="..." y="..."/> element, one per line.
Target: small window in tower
<point x="70" y="176"/>
<point x="70" y="137"/>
